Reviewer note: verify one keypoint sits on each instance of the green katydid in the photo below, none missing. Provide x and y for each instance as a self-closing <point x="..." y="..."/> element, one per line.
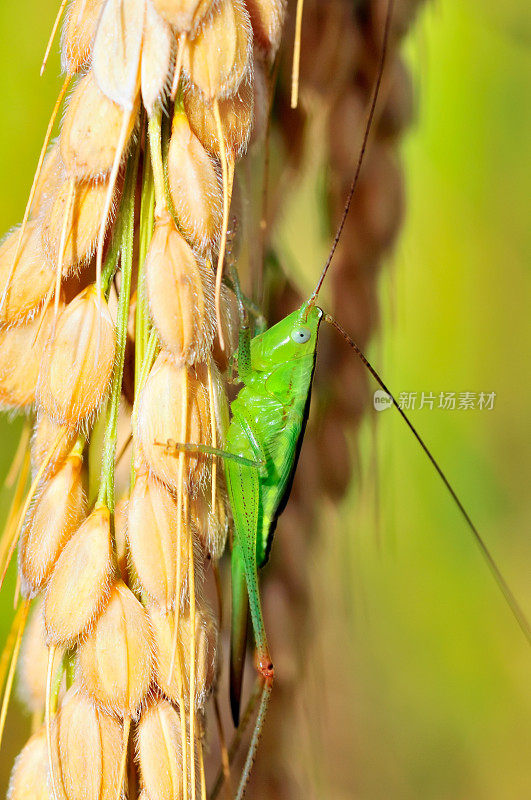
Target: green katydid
<point x="268" y="420"/>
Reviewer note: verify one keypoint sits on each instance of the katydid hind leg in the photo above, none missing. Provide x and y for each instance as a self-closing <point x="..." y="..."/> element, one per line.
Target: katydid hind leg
<point x="238" y="636"/>
<point x="243" y="484"/>
<point x="263" y="663"/>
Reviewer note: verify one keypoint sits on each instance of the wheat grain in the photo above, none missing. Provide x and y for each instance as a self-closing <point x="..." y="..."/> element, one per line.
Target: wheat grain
<point x="27" y="285"/>
<point x="91" y="131"/>
<point x="21" y="352"/>
<point x="57" y="510"/>
<point x="30" y="771"/>
<point x="180" y="289"/>
<point x="151" y="534"/>
<point x="115" y="658"/>
<point x="195" y="186"/>
<point x="85" y="742"/>
<point x="81" y="581"/>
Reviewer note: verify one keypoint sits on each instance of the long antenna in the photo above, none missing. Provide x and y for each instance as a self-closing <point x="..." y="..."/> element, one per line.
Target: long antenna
<point x="368" y="126"/>
<point x="511" y="600"/>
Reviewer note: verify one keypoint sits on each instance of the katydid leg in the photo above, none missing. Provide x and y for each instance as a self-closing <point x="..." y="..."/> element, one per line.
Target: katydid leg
<point x="255" y="740"/>
<point x="238" y="637"/>
<point x="192" y="447"/>
<point x="244" y="482"/>
<point x="248" y="712"/>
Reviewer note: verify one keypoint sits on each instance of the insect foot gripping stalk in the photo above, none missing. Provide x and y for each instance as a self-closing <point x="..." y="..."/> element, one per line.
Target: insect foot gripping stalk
<point x="264" y="666"/>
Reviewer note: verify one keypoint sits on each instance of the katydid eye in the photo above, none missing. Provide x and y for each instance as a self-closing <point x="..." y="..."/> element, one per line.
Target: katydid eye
<point x="301" y="335"/>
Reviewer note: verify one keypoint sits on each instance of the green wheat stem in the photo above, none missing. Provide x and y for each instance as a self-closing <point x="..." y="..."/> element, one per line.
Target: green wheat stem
<point x="106" y="493"/>
<point x="147" y="211"/>
<point x="149" y="357"/>
<point x="111" y="259"/>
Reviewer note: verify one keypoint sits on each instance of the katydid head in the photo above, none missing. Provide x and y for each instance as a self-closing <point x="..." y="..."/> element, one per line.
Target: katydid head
<point x="292" y="338"/>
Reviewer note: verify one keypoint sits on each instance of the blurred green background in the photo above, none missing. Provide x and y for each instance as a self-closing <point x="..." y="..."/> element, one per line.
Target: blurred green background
<point x="430" y="697"/>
